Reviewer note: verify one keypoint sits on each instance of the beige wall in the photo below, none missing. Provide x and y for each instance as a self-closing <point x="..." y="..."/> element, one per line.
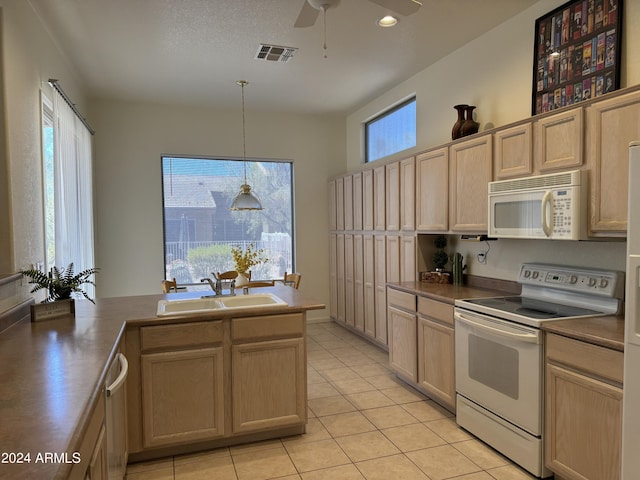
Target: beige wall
<point x="494" y="72"/>
<point x="130" y="141"/>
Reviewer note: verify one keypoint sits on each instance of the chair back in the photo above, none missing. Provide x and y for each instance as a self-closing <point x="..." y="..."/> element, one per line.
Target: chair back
<point x="292" y="279"/>
<point x="270" y="283"/>
<point x="230" y="275"/>
<point x="167" y="285"/>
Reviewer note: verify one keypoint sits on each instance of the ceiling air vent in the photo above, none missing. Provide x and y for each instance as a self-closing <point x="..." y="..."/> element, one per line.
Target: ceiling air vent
<point x="275" y="53"/>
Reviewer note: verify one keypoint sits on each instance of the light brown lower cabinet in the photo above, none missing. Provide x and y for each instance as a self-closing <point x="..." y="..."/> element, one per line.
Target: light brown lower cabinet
<point x="213" y="381"/>
<point x="583" y="410"/>
<point x="93" y="447"/>
<point x="421" y="344"/>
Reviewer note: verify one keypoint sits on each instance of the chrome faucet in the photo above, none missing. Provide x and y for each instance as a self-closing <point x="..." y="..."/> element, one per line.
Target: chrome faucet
<point x="216" y="287"/>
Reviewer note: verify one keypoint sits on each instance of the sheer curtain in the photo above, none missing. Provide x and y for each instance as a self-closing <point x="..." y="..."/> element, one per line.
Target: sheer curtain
<point x="73" y="190"/>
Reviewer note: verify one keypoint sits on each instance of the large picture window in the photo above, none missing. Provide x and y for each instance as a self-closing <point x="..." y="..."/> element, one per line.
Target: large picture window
<point x="391" y="132"/>
<point x="200" y="230"/>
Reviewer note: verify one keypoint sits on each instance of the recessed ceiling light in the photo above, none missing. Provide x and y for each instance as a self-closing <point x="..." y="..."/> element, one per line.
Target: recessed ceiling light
<point x="387" y="21"/>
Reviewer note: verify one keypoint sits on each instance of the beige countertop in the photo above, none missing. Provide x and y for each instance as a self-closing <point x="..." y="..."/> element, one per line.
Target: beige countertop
<point x="606" y="331"/>
<point x="53" y="371"/>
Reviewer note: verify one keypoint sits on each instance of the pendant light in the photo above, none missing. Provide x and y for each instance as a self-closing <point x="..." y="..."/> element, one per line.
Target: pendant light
<point x="245" y="199"/>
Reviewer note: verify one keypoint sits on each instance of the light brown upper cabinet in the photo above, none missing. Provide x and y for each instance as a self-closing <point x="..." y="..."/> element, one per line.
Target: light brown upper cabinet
<point x="357" y="201"/>
<point x="392" y="171"/>
<point x="348" y="202"/>
<point x="513" y="152"/>
<point x="408" y="194"/>
<point x="559" y="141"/>
<point x="470" y="164"/>
<point x="432" y="191"/>
<point x="611" y="125"/>
<point x="379" y="198"/>
<point x="332" y="204"/>
<point x="339" y="204"/>
<point x="367" y="200"/>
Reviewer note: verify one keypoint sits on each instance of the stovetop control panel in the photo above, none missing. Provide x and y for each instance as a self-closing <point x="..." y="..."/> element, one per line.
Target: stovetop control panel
<point x="606" y="283"/>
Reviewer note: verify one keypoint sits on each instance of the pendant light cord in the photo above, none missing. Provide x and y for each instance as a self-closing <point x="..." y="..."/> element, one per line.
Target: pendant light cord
<point x="242" y="84"/>
<point x="324" y="22"/>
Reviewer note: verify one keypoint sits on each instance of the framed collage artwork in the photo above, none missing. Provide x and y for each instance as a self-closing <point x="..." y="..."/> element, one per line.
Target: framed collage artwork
<point x="576" y="53"/>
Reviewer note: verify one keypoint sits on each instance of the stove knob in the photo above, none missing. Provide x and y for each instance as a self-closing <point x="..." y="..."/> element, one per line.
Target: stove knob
<point x="592" y="282"/>
<point x="535" y="275"/>
<point x="573" y="279"/>
<point x="604" y="282"/>
<point x="527" y="273"/>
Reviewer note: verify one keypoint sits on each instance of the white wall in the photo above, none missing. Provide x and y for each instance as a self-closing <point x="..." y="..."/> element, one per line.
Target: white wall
<point x="30" y="58"/>
<point x="494" y="72"/>
<point x="130" y="141"/>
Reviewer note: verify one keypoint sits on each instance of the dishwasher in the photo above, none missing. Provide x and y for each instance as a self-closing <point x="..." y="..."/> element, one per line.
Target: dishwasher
<point x="116" y="417"/>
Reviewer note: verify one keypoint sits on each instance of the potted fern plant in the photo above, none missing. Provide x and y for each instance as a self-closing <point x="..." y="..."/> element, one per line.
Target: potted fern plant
<point x="60" y="284"/>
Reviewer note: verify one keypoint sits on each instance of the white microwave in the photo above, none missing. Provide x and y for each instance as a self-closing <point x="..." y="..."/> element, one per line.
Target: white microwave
<point x="544" y="206"/>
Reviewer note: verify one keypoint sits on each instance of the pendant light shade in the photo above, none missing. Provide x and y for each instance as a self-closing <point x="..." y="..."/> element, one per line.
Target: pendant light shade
<point x="245" y="199"/>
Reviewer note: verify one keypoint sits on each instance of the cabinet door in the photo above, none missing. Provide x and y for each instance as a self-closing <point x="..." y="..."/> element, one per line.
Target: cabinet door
<point x="348" y="280"/>
<point x="357" y="201"/>
<point x="392" y="181"/>
<point x="333" y="276"/>
<point x="341" y="277"/>
<point x="559" y="141"/>
<point x="513" y="152"/>
<point x="183" y="396"/>
<point x="348" y="202"/>
<point x="358" y="282"/>
<point x="612" y="124"/>
<point x="408" y="258"/>
<point x="97" y="469"/>
<point x="408" y="194"/>
<point x="339" y="204"/>
<point x="369" y="286"/>
<point x="393" y="258"/>
<point x="470" y="164"/>
<point x="367" y="200"/>
<point x="379" y="198"/>
<point x="269" y="388"/>
<point x="436" y="361"/>
<point x="583" y="426"/>
<point x="403" y="343"/>
<point x="332" y="204"/>
<point x="432" y="191"/>
<point x="380" y="252"/>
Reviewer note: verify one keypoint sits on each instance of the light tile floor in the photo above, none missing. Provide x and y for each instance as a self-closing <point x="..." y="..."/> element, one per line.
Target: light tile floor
<point x="363" y="424"/>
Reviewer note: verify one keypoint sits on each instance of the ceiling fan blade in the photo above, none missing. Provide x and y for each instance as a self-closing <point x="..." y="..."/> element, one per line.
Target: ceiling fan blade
<point x="307" y="16"/>
<point x="403" y="7"/>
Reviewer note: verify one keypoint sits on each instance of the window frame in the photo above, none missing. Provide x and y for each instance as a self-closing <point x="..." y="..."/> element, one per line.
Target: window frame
<point x="236" y="180"/>
<point x="386" y="113"/>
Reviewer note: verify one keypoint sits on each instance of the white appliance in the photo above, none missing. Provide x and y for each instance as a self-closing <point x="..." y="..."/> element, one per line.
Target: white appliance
<point x="116" y="418"/>
<point x="631" y="395"/>
<point x="545" y="206"/>
<point x="499" y="354"/>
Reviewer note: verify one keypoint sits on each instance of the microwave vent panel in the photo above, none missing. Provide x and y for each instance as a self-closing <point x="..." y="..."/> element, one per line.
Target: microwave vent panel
<point x="555" y="180"/>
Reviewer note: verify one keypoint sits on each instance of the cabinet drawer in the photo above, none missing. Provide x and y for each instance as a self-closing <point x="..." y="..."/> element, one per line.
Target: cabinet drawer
<point x="181" y="335"/>
<point x="267" y="327"/>
<point x="593" y="359"/>
<point x="435" y="309"/>
<point x="406" y="301"/>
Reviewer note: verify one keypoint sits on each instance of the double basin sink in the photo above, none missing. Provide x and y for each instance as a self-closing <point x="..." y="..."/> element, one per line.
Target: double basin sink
<point x="222" y="303"/>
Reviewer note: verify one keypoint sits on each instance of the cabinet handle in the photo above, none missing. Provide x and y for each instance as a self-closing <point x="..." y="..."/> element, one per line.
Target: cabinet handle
<point x="118" y="382"/>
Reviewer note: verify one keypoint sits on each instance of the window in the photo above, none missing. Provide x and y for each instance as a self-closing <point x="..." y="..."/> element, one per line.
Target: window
<point x="200" y="230"/>
<point x="391" y="131"/>
<point x="67" y="187"/>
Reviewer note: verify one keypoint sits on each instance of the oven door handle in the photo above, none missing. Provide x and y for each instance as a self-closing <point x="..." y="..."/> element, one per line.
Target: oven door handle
<point x="521" y="337"/>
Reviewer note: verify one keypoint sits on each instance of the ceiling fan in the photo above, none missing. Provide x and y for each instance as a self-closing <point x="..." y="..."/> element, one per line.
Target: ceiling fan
<point x="311" y="8"/>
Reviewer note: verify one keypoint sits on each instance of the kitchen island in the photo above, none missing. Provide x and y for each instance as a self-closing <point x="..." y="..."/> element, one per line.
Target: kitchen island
<point x="54" y="373"/>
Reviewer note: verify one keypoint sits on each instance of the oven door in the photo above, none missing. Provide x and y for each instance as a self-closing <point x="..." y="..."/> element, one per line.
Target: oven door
<point x="499" y="366"/>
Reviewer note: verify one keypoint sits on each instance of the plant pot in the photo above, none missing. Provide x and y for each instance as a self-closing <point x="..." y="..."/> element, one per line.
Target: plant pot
<point x="47" y="311"/>
<point x="241" y="280"/>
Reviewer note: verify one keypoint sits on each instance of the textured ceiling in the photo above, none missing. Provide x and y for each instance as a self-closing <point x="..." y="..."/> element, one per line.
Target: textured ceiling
<point x="193" y="51"/>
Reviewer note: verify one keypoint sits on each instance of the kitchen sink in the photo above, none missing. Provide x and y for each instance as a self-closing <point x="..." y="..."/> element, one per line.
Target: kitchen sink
<point x="210" y="304"/>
